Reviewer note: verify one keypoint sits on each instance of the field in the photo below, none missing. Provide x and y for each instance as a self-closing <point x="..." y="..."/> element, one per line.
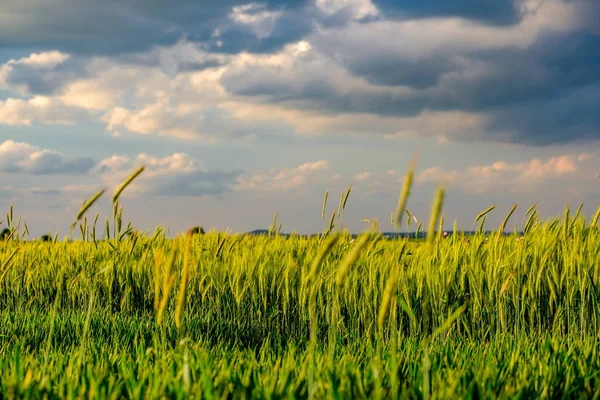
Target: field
<point x="220" y="315"/>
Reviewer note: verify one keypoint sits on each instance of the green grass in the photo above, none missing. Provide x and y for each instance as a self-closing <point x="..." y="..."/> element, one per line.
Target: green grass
<point x="526" y="325"/>
<point x="235" y="316"/>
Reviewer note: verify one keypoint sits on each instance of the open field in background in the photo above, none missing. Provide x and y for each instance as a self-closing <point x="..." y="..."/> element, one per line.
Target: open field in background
<point x="222" y="315"/>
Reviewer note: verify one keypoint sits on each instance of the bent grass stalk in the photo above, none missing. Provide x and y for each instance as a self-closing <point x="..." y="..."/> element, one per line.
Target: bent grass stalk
<point x="410" y="216"/>
<point x="346" y="194"/>
<point x="157" y="276"/>
<point x="320" y="257"/>
<point x="386" y="300"/>
<point x="324" y="205"/>
<point x="510" y="213"/>
<point x="86" y="205"/>
<point x="484" y="213"/>
<point x="8" y="263"/>
<point x="185" y="274"/>
<point x="405" y="193"/>
<point x="530" y="221"/>
<point x="566" y="224"/>
<point x="167" y="284"/>
<point x="578" y="212"/>
<point x="531" y="209"/>
<point x="351" y="258"/>
<point x="331" y="224"/>
<point x="124" y="185"/>
<point x="435" y="212"/>
<point x="595" y="218"/>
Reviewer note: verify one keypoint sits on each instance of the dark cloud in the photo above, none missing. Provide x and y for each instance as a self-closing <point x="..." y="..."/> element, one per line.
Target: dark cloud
<point x="515" y="87"/>
<point x="51" y="163"/>
<point x="567" y="116"/>
<point x="501" y="12"/>
<point x="392" y="71"/>
<point x="289" y="27"/>
<point x="493" y="72"/>
<point x="121" y="26"/>
<point x="42" y="80"/>
<point x="24" y="158"/>
<point x="197" y="183"/>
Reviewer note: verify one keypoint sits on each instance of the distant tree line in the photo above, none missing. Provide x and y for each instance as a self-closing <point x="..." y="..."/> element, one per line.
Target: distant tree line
<point x="6" y="234"/>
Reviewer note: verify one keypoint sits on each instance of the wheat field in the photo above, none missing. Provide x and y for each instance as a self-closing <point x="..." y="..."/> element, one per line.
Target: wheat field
<point x="122" y="314"/>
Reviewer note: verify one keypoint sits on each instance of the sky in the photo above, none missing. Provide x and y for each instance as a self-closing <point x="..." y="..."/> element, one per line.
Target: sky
<point x="242" y="110"/>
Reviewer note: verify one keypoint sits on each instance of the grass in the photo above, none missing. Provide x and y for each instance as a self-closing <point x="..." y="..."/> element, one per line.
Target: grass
<point x="223" y="315"/>
<point x="528" y="320"/>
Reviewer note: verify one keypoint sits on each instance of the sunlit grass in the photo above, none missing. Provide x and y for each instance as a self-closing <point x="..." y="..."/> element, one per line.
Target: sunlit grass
<point x="226" y="315"/>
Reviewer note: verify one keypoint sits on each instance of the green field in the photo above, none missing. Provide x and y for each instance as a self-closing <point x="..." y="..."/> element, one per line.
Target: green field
<point x="259" y="318"/>
<point x="220" y="315"/>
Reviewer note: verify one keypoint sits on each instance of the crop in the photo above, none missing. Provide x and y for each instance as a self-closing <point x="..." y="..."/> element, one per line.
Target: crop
<point x="228" y="315"/>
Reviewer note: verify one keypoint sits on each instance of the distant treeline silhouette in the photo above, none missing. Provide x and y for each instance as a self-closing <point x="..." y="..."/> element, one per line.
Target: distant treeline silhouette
<point x="388" y="235"/>
<point x="6" y="234"/>
<point x="198" y="230"/>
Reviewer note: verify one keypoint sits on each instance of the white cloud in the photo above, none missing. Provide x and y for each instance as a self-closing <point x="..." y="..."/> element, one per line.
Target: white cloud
<point x="36" y="61"/>
<point x="257" y="17"/>
<point x="363" y="176"/>
<point x="357" y="9"/>
<point x="530" y="172"/>
<point x="33" y="73"/>
<point x="282" y="179"/>
<point x="516" y="177"/>
<point x="48" y="59"/>
<point x="420" y="38"/>
<point x="160" y="118"/>
<point x="307" y="87"/>
<point x="88" y="94"/>
<point x="38" y="109"/>
<point x="437" y="175"/>
<point x="573" y="170"/>
<point x="22" y="157"/>
<point x="178" y="174"/>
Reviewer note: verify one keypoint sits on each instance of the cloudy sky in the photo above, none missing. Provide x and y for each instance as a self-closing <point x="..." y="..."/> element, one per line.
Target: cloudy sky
<point x="240" y="110"/>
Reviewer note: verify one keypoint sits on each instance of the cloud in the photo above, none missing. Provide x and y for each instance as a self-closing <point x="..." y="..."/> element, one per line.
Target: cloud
<point x="39" y="109"/>
<point x="39" y="73"/>
<point x="285" y="179"/>
<point x="526" y="176"/>
<point x="489" y="11"/>
<point x="564" y="117"/>
<point x="354" y="10"/>
<point x="436" y="174"/>
<point x="545" y="60"/>
<point x="176" y="175"/>
<point x="257" y="17"/>
<point x="116" y="27"/>
<point x="536" y="175"/>
<point x="192" y="121"/>
<point x="532" y="171"/>
<point x="183" y="56"/>
<point x="363" y="176"/>
<point x="36" y="191"/>
<point x="524" y="73"/>
<point x="21" y="157"/>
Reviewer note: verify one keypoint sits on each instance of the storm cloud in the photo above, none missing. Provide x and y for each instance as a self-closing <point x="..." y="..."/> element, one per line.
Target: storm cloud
<point x="527" y="70"/>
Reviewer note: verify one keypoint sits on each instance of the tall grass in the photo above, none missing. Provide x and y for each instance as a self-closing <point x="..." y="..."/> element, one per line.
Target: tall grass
<point x="298" y="317"/>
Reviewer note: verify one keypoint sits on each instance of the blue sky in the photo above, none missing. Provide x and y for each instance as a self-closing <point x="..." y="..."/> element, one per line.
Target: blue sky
<point x="240" y="110"/>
